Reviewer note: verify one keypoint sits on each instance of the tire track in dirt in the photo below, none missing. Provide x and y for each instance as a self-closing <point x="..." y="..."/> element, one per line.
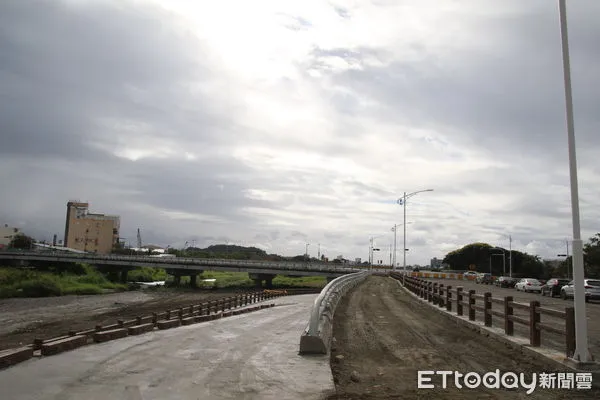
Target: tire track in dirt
<point x="386" y="336"/>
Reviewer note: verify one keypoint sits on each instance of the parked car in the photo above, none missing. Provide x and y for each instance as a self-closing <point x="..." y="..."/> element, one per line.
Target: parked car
<point x="470" y="274"/>
<point x="506" y="282"/>
<point x="592" y="290"/>
<point x="554" y="286"/>
<point x="484" y="279"/>
<point x="529" y="285"/>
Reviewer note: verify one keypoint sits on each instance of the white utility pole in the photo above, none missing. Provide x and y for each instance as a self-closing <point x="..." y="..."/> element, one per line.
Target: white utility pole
<point x="404" y="235"/>
<point x="582" y="352"/>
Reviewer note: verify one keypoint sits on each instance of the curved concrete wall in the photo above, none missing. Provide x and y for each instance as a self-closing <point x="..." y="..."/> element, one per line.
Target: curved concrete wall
<point x="316" y="338"/>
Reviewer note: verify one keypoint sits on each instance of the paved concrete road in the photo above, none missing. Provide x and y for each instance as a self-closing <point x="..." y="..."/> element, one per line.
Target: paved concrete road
<point x="250" y="356"/>
<point x="548" y="339"/>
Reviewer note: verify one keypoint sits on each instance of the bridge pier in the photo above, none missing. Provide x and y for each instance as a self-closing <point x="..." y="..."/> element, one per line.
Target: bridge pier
<point x="259" y="278"/>
<point x="177" y="279"/>
<point x="178" y="273"/>
<point x="123" y="275"/>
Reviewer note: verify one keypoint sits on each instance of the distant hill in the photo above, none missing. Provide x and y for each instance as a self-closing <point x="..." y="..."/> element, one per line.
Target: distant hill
<point x="228" y="251"/>
<point x="229" y="248"/>
<point x="223" y="251"/>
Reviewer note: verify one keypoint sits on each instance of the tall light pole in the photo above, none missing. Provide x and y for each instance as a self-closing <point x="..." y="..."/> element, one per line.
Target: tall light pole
<point x="395" y="229"/>
<point x="582" y="352"/>
<point x="402" y="202"/>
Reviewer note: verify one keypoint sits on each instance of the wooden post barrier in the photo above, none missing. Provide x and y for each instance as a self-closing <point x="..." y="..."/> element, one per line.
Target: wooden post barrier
<point x="487" y="305"/>
<point x="535" y="338"/>
<point x="509" y="327"/>
<point x="459" y="300"/>
<point x="441" y="295"/>
<point x="430" y="292"/>
<point x="471" y="305"/>
<point x="449" y="298"/>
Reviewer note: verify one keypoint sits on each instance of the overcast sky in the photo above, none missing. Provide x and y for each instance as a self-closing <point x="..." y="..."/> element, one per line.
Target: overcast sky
<point x="280" y="123"/>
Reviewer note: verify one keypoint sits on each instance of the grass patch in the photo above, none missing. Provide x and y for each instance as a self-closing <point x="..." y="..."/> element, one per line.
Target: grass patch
<point x="146" y="274"/>
<point x="241" y="280"/>
<point x="300" y="282"/>
<point x="17" y="282"/>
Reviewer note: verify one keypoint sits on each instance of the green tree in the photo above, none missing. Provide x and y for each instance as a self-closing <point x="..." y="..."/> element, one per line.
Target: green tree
<point x="480" y="254"/>
<point x="474" y="253"/>
<point x="21" y="241"/>
<point x="591" y="256"/>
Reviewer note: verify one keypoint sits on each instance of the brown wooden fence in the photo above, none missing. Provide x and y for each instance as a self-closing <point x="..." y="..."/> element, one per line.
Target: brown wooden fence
<point x="473" y="304"/>
<point x="213" y="306"/>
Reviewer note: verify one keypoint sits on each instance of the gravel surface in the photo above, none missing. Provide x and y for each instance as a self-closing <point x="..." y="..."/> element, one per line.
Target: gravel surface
<point x="384" y="336"/>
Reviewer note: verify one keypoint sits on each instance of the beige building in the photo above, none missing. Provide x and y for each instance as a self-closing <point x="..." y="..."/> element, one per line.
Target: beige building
<point x="6" y="235"/>
<point x="95" y="233"/>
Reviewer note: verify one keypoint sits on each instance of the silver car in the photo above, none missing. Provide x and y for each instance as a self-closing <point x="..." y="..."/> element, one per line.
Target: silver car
<point x="529" y="285"/>
<point x="592" y="290"/>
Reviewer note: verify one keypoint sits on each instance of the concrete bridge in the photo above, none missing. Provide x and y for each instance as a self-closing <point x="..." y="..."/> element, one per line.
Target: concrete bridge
<point x="258" y="271"/>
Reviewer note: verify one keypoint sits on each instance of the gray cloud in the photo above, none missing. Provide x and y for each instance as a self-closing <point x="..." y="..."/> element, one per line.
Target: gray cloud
<point x="96" y="83"/>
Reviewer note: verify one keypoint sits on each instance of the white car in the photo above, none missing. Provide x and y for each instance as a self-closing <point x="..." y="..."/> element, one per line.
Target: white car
<point x="529" y="285"/>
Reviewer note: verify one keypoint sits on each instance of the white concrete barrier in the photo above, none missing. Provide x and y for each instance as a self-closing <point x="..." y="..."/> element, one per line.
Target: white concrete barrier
<point x="316" y="338"/>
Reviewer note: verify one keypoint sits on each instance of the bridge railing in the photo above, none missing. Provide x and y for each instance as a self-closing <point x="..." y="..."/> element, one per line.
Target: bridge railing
<point x="511" y="312"/>
<point x="285" y="265"/>
<point x="316" y="339"/>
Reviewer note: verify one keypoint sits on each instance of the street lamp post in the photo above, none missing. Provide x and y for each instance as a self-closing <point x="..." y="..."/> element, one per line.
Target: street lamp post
<point x="402" y="202"/>
<point x="395" y="229"/>
<point x="582" y="352"/>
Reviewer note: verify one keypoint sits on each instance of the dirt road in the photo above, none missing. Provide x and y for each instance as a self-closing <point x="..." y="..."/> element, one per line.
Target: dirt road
<point x="22" y="320"/>
<point x="385" y="336"/>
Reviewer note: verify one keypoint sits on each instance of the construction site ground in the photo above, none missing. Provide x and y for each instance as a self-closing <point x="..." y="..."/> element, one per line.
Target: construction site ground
<point x="24" y="319"/>
<point x="383" y="336"/>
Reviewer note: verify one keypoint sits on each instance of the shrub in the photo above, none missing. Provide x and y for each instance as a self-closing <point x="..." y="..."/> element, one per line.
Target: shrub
<point x="43" y="286"/>
<point x="82" y="289"/>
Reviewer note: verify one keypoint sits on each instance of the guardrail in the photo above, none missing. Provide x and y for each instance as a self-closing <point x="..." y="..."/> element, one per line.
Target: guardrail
<point x="474" y="304"/>
<point x="316" y="338"/>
